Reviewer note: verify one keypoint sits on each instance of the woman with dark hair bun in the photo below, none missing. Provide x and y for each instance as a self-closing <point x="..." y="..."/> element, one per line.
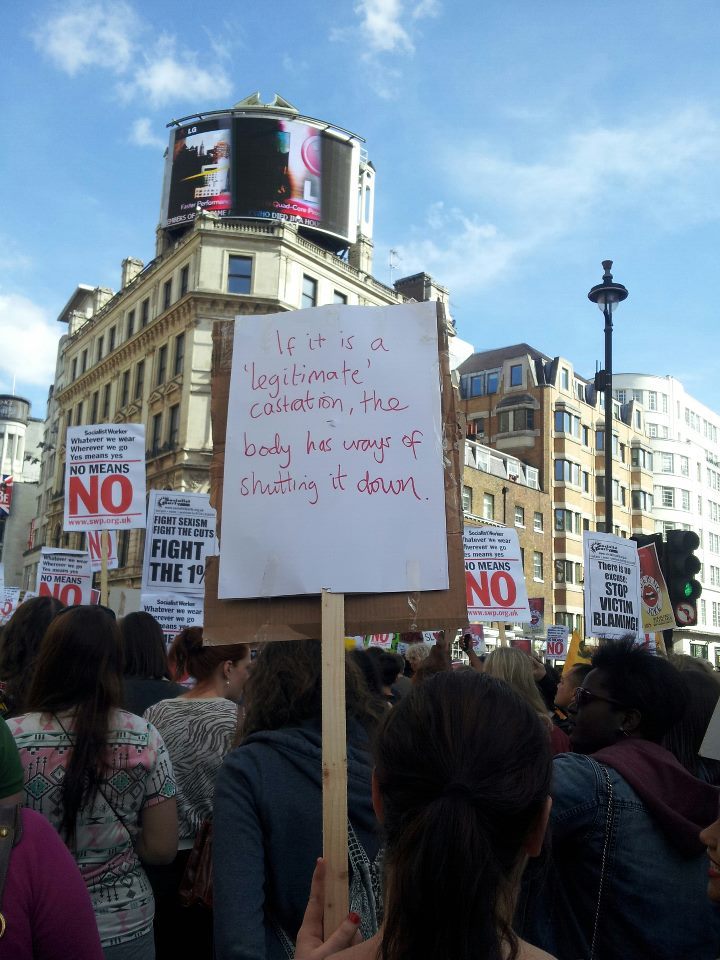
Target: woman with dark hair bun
<point x="146" y="674"/>
<point x="268" y="803"/>
<point x="199" y="728"/>
<point x="100" y="775"/>
<point x="19" y="647"/>
<point x="461" y="786"/>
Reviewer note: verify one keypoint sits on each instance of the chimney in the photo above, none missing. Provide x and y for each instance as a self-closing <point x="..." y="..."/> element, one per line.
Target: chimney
<point x="131" y="267"/>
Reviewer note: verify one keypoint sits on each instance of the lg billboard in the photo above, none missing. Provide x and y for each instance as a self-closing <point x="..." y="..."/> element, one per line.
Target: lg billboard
<point x="263" y="168"/>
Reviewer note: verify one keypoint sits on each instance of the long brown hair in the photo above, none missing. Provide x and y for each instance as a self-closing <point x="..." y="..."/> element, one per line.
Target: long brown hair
<point x="19" y="647"/>
<point x="79" y="668"/>
<point x="285" y="687"/>
<point x="463" y="767"/>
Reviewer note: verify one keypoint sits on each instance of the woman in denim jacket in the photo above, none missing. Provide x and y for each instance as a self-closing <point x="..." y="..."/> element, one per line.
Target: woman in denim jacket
<point x="628" y="874"/>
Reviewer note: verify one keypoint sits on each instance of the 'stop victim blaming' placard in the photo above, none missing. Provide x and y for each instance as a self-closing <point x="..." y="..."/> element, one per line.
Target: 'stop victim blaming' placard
<point x="334" y="454"/>
<point x="105" y="476"/>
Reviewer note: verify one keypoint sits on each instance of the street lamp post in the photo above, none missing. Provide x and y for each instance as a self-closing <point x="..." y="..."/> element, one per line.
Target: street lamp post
<point x="607" y="295"/>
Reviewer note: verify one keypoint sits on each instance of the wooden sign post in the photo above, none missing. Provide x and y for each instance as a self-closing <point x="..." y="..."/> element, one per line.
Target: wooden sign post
<point x="334" y="760"/>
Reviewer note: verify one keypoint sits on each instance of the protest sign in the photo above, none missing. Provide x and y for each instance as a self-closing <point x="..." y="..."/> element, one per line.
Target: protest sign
<point x="537" y="614"/>
<point x="173" y="611"/>
<point x="557" y="642"/>
<point x="657" y="611"/>
<point x="477" y="632"/>
<point x="495" y="582"/>
<point x="65" y="574"/>
<point x="384" y="641"/>
<point x="180" y="535"/>
<point x="329" y="441"/>
<point x="9" y="602"/>
<point x="105" y="476"/>
<point x="612" y="586"/>
<point x="94" y="543"/>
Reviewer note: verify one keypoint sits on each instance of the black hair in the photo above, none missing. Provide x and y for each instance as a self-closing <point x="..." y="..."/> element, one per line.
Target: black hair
<point x="463" y="768"/>
<point x="579" y="671"/>
<point x="19" y="648"/>
<point x="79" y="668"/>
<point x="144" y="653"/>
<point x="684" y="738"/>
<point x="642" y="681"/>
<point x="370" y="669"/>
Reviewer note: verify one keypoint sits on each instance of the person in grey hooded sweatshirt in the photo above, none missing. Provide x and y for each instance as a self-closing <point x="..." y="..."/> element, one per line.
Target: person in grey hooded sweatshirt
<point x="268" y="803"/>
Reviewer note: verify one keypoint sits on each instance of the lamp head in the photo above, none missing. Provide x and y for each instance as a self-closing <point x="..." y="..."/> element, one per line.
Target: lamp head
<point x="607" y="294"/>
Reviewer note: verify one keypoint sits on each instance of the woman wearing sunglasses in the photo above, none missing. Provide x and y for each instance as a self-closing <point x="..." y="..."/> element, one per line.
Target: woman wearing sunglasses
<point x="629" y="876"/>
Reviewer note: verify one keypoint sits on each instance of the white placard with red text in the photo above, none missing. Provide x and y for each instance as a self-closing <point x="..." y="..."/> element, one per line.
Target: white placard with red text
<point x="9" y="603"/>
<point x="494" y="576"/>
<point x="65" y="574"/>
<point x="173" y="611"/>
<point x="105" y="476"/>
<point x="557" y="641"/>
<point x="334" y="434"/>
<point x="95" y="550"/>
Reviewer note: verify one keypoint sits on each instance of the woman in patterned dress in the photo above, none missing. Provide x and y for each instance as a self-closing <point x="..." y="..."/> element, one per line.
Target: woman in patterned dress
<point x="100" y="775"/>
<point x="199" y="728"/>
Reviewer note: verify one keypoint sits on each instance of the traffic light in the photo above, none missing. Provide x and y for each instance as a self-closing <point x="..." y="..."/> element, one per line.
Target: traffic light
<point x="644" y="540"/>
<point x="680" y="565"/>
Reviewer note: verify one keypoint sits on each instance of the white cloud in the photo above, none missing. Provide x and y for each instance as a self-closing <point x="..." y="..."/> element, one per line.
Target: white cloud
<point x="89" y="35"/>
<point x="113" y="37"/>
<point x="143" y="134"/>
<point x="169" y="75"/>
<point x="658" y="174"/>
<point x="24" y="323"/>
<point x="381" y="25"/>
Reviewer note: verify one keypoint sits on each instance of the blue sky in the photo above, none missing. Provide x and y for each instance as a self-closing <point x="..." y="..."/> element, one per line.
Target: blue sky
<point x="516" y="144"/>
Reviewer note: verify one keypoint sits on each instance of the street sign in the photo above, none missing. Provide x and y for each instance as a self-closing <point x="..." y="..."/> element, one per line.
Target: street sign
<point x="685" y="613"/>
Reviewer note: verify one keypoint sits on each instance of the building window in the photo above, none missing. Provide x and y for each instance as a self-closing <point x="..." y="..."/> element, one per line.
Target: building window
<point x="667" y="464"/>
<point x="179" y="355"/>
<point x="620" y="396"/>
<point x="73" y="370"/>
<point x="100" y="348"/>
<point x="568" y="472"/>
<point x="139" y="380"/>
<point x="537" y="565"/>
<point x="684" y="466"/>
<point x="685" y="499"/>
<point x="83" y="361"/>
<point x="667" y="497"/>
<point x="699" y="650"/>
<point x="174" y="426"/>
<point x="145" y="312"/>
<point x="642" y="501"/>
<point x="652" y="400"/>
<point x="309" y="292"/>
<point x="94" y="406"/>
<point x="567" y="423"/>
<point x="637" y="396"/>
<point x="78" y="414"/>
<point x="161" y="371"/>
<point x="130" y="324"/>
<point x="586" y="481"/>
<point x="519" y="516"/>
<point x="467" y="499"/>
<point x="510" y="421"/>
<point x="339" y="297"/>
<point x="493" y="381"/>
<point x="167" y="293"/>
<point x="106" y="403"/>
<point x="479" y="384"/>
<point x="112" y="335"/>
<point x="239" y="274"/>
<point x="641" y="458"/>
<point x="184" y="280"/>
<point x="599" y="439"/>
<point x="488" y="506"/>
<point x="537" y="522"/>
<point x="516" y="378"/>
<point x="125" y="388"/>
<point x="565" y="378"/>
<point x="123" y="544"/>
<point x="156" y="432"/>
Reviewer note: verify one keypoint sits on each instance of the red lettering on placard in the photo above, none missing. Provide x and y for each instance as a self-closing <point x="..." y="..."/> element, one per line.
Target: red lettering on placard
<point x="69" y="593"/>
<point x="99" y="491"/>
<point x="490" y="590"/>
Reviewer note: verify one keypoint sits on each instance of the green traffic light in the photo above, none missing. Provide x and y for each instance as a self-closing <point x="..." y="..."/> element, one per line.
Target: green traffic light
<point x="687" y="590"/>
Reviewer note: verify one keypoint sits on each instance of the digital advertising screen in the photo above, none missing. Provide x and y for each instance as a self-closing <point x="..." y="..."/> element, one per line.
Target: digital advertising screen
<point x="263" y="168"/>
<point x="291" y="170"/>
<point x="199" y="170"/>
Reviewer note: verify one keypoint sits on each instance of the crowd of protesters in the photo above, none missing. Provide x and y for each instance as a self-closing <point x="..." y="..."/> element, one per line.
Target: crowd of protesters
<point x="495" y="810"/>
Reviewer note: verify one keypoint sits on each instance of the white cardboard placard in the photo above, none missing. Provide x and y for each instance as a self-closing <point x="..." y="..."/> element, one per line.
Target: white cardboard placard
<point x="494" y="575"/>
<point x="613" y="607"/>
<point x="180" y="535"/>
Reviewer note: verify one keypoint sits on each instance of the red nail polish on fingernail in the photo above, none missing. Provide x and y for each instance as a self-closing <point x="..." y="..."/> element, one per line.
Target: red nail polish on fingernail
<point x="354" y="917"/>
